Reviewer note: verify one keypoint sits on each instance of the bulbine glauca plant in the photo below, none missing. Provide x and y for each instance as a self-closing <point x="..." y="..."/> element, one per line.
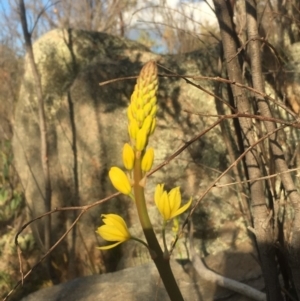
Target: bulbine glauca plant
<point x="138" y="160"/>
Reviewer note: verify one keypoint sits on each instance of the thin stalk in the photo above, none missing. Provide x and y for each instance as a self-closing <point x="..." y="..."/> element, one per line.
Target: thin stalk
<point x="162" y="264"/>
<point x="166" y="251"/>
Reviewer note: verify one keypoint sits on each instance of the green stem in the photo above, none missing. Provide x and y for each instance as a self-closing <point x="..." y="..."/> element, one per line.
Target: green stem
<point x="140" y="241"/>
<point x="166" y="252"/>
<point x="162" y="263"/>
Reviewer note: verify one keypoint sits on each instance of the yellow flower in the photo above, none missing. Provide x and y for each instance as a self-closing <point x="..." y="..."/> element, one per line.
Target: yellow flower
<point x="128" y="156"/>
<point x="119" y="180"/>
<point x="168" y="204"/>
<point x="147" y="160"/>
<point x="114" y="229"/>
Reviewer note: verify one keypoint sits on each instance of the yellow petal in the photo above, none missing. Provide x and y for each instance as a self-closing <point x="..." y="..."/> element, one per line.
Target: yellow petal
<point x="119" y="180"/>
<point x="182" y="209"/>
<point x="109" y="246"/>
<point x="113" y="219"/>
<point x="112" y="233"/>
<point x="128" y="156"/>
<point x="147" y="160"/>
<point x="158" y="193"/>
<point x="174" y="199"/>
<point x="164" y="206"/>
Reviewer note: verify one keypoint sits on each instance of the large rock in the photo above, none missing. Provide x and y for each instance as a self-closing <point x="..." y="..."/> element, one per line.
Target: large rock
<point x="86" y="127"/>
<point x="143" y="283"/>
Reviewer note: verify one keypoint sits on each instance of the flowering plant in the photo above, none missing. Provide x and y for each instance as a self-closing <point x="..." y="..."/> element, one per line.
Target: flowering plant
<point x="138" y="161"/>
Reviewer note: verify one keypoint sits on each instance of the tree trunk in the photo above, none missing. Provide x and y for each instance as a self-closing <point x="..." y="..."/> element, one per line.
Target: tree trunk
<point x="262" y="222"/>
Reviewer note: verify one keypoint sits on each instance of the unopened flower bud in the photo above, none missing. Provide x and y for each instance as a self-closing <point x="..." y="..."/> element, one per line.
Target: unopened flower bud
<point x="120" y="180"/>
<point x="147" y="124"/>
<point x="141" y="139"/>
<point x="153" y="126"/>
<point x="128" y="156"/>
<point x="147" y="160"/>
<point x="133" y="129"/>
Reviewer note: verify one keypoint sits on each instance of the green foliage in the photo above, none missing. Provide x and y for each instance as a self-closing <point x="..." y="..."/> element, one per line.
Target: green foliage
<point x="6" y="282"/>
<point x="10" y="199"/>
<point x="26" y="242"/>
<point x="9" y="204"/>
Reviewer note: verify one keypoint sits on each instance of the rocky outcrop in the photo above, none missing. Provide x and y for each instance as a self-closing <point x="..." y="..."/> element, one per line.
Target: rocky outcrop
<point x="86" y="127"/>
<point x="143" y="283"/>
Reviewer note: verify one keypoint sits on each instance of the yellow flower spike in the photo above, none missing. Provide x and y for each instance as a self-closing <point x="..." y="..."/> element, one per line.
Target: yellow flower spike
<point x="147" y="79"/>
<point x="120" y="180"/>
<point x="128" y="156"/>
<point x="169" y="204"/>
<point x="114" y="229"/>
<point x="141" y="106"/>
<point x="147" y="160"/>
<point x="141" y="139"/>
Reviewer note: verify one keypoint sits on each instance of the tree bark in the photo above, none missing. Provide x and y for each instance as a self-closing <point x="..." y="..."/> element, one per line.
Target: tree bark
<point x="292" y="244"/>
<point x="261" y="218"/>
